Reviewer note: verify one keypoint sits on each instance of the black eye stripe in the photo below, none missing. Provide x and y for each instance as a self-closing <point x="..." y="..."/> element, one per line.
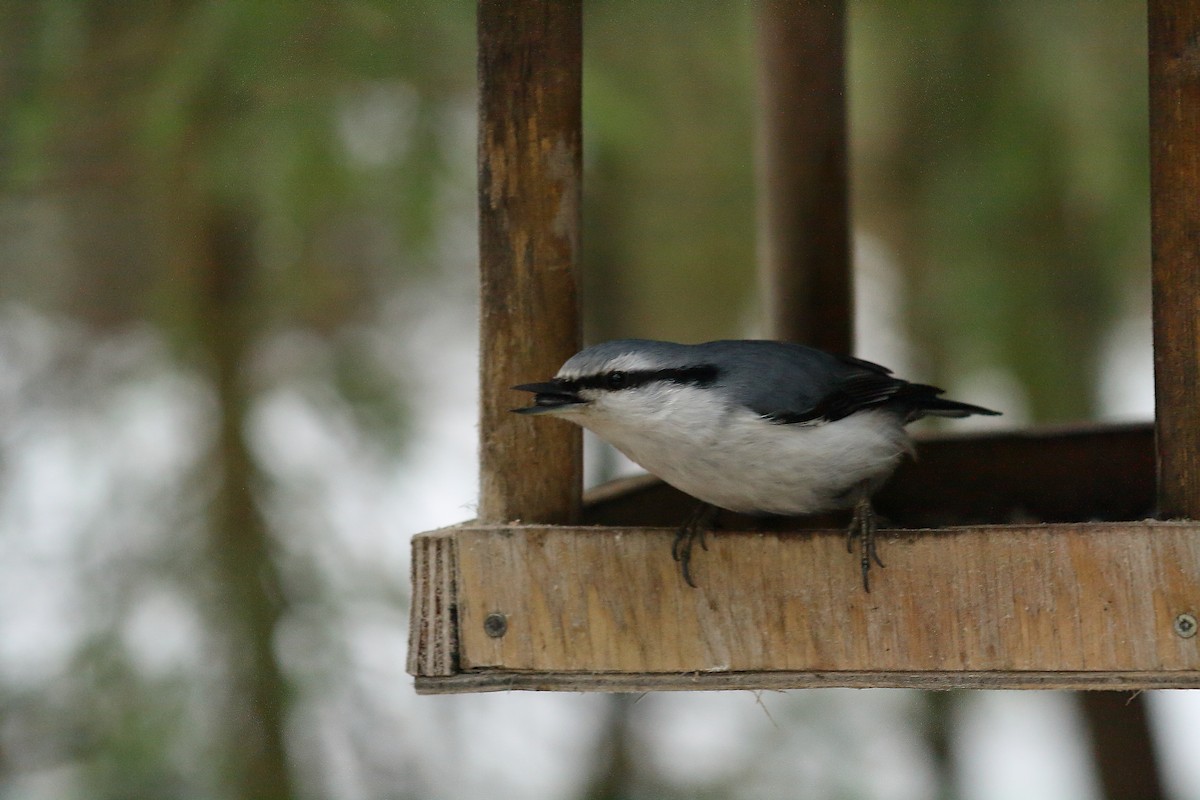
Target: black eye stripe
<point x="699" y="375"/>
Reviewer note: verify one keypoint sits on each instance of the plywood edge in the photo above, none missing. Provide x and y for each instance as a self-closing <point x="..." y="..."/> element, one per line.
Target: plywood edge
<point x="433" y="620"/>
<point x="506" y="681"/>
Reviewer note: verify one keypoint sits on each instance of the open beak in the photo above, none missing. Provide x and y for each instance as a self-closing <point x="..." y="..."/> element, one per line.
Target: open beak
<point x="548" y="397"/>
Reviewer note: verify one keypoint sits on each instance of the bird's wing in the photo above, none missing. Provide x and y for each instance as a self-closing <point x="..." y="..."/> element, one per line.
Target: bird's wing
<point x="789" y="383"/>
<point x="840" y="395"/>
<point x="843" y="386"/>
<point x="856" y="390"/>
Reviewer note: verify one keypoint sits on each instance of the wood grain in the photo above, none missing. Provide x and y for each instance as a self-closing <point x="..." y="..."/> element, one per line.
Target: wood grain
<point x="530" y="71"/>
<point x="803" y="210"/>
<point x="506" y="681"/>
<point x="1174" y="41"/>
<point x="433" y="616"/>
<point x="1011" y="603"/>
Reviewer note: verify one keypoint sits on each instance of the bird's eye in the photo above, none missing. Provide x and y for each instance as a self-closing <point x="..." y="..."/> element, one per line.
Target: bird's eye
<point x="616" y="380"/>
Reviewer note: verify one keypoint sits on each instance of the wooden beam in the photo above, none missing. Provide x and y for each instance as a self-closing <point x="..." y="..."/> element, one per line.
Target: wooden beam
<point x="1061" y="474"/>
<point x="804" y="238"/>
<point x="530" y="72"/>
<point x="1069" y="606"/>
<point x="1174" y="38"/>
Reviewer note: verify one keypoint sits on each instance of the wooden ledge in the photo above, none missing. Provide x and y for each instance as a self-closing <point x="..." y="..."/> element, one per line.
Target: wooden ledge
<point x="509" y="681"/>
<point x="1101" y="606"/>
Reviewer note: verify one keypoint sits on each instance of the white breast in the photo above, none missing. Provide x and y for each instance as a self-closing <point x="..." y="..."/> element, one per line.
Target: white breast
<point x="734" y="459"/>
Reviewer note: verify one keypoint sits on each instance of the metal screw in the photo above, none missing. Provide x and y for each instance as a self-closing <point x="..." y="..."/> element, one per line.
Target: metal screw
<point x="496" y="625"/>
<point x="1185" y="626"/>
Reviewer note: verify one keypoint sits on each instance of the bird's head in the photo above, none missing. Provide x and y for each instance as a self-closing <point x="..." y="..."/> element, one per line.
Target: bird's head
<point x="618" y="380"/>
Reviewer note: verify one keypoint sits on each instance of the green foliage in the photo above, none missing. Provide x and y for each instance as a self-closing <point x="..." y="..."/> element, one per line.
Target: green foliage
<point x="669" y="179"/>
<point x="326" y="126"/>
<point x="1002" y="157"/>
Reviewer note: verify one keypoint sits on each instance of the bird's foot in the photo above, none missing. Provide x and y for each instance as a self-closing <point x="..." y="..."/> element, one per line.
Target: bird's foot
<point x="695" y="529"/>
<point x="863" y="527"/>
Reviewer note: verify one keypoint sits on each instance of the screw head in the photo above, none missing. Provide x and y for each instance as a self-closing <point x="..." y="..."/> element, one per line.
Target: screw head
<point x="1185" y="626"/>
<point x="495" y="625"/>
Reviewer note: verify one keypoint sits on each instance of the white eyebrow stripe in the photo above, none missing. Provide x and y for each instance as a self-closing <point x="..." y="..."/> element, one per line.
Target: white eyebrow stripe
<point x="626" y="362"/>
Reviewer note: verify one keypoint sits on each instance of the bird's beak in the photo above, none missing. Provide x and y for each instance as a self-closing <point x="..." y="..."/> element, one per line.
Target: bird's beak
<point x="548" y="397"/>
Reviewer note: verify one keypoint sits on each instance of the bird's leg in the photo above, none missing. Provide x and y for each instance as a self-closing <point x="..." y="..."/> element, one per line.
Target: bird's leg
<point x="862" y="527"/>
<point x="696" y="527"/>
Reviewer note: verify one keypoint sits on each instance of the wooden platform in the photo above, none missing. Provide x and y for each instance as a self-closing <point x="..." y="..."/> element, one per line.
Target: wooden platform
<point x="1109" y="605"/>
<point x="1078" y="603"/>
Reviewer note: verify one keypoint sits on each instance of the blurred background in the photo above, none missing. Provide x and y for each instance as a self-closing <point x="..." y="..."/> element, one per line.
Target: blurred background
<point x="238" y="364"/>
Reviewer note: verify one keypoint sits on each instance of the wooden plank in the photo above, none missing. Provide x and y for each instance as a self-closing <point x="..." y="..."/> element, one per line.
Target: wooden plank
<point x="803" y="215"/>
<point x="1096" y="605"/>
<point x="1057" y="474"/>
<point x="530" y="72"/>
<point x="1039" y="475"/>
<point x="505" y="681"/>
<point x="1174" y="41"/>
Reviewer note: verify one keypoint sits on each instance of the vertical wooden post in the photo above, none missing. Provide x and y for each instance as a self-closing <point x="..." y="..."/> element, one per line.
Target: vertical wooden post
<point x="530" y="74"/>
<point x="1122" y="747"/>
<point x="1174" y="33"/>
<point x="804" y="238"/>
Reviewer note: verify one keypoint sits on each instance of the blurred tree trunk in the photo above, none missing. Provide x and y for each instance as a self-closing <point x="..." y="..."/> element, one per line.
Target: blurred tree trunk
<point x="132" y="218"/>
<point x="612" y="773"/>
<point x="249" y="598"/>
<point x="939" y="738"/>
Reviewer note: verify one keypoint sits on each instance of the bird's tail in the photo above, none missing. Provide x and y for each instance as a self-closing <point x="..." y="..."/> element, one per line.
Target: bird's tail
<point x="925" y="401"/>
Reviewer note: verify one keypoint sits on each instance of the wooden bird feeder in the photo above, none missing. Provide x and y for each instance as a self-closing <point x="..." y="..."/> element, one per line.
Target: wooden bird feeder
<point x="998" y="575"/>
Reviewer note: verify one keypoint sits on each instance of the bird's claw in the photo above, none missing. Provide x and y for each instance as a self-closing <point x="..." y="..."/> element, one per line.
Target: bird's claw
<point x="696" y="528"/>
<point x="863" y="527"/>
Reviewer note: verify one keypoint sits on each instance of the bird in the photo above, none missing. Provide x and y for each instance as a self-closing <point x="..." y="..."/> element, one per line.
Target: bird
<point x="756" y="427"/>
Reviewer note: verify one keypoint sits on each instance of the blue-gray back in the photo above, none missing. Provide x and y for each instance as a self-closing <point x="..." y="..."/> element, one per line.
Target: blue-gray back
<point x="785" y="382"/>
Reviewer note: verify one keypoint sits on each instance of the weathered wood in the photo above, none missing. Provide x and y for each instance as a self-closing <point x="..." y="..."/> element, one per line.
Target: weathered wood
<point x="530" y="70"/>
<point x="1174" y="40"/>
<point x="1058" y="474"/>
<point x="506" y="681"/>
<point x="433" y="616"/>
<point x="804" y="238"/>
<point x="1062" y="605"/>
<point x="1061" y="474"/>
